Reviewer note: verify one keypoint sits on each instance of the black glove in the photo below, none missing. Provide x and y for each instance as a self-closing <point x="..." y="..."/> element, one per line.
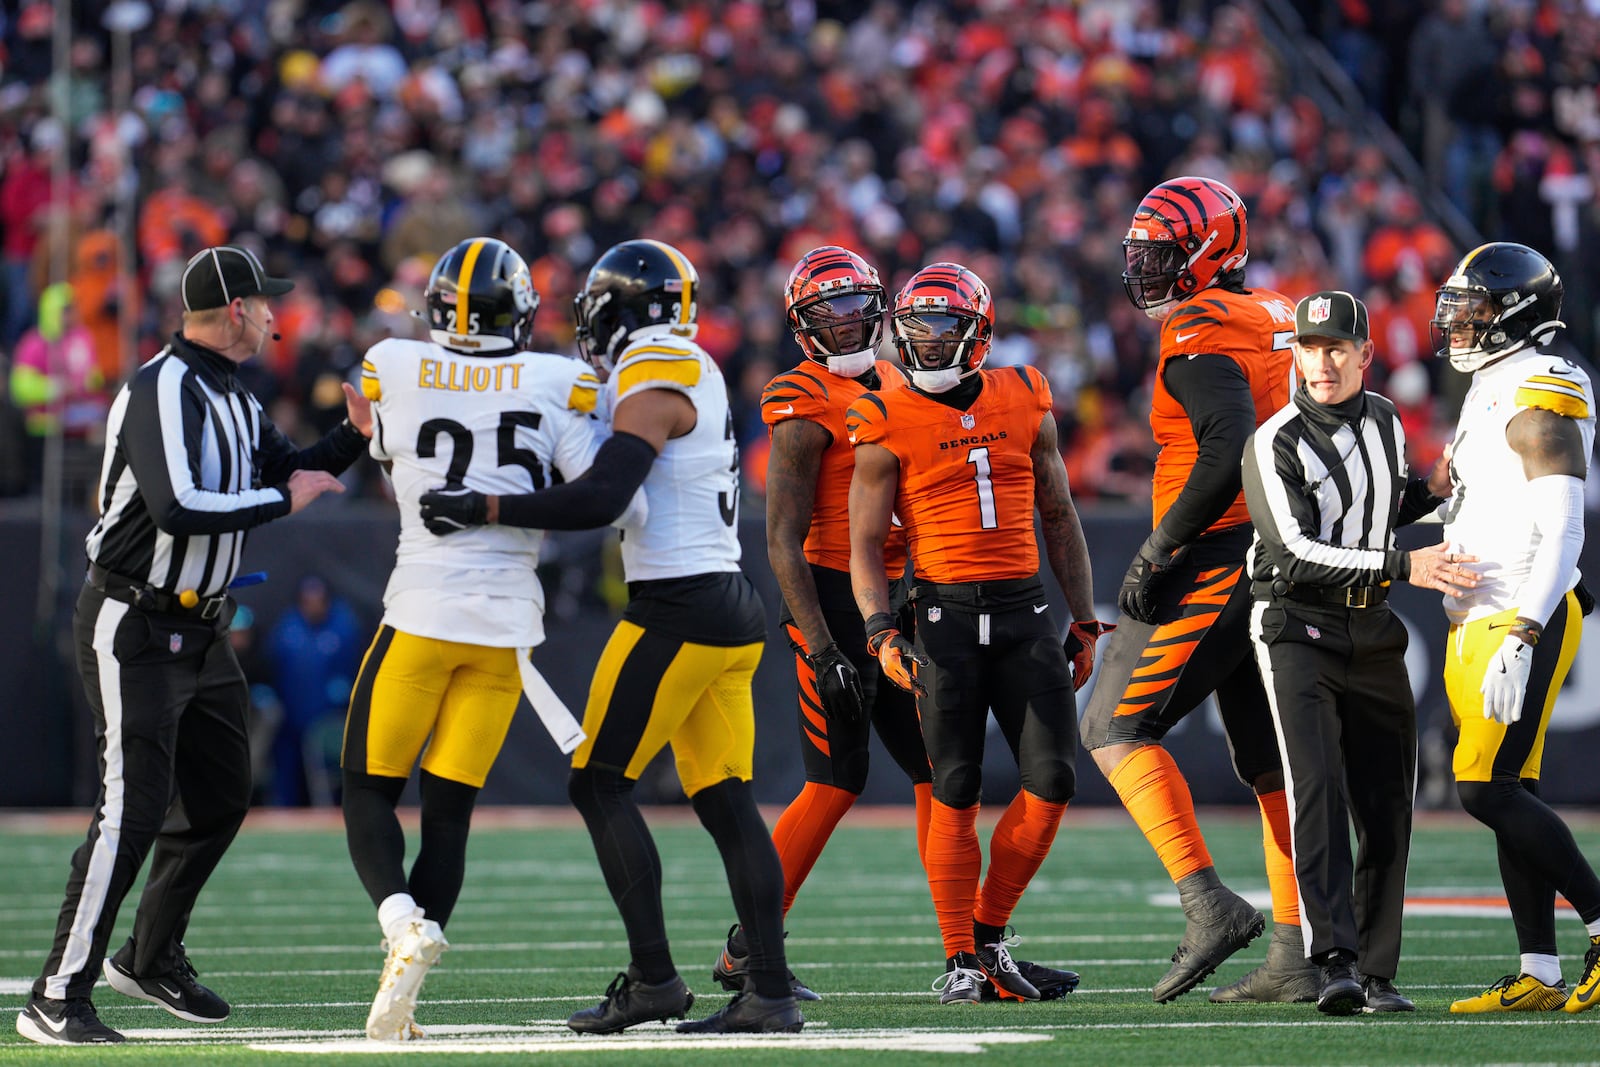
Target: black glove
<point x="1585" y="598"/>
<point x="838" y="684"/>
<point x="1140" y="593"/>
<point x="453" y="508"/>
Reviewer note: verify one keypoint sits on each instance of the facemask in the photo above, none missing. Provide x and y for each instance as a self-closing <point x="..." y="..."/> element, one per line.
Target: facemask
<point x="853" y="364"/>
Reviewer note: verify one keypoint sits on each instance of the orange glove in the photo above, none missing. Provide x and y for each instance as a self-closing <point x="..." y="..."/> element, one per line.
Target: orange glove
<point x="897" y="656"/>
<point x="1079" y="647"/>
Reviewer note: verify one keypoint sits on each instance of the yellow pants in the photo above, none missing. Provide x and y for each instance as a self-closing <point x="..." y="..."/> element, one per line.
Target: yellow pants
<point x="412" y="691"/>
<point x="651" y="690"/>
<point x="1488" y="749"/>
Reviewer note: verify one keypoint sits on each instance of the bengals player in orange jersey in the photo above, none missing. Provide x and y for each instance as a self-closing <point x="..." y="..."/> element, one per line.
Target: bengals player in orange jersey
<point x="964" y="457"/>
<point x="836" y="307"/>
<point x="1224" y="368"/>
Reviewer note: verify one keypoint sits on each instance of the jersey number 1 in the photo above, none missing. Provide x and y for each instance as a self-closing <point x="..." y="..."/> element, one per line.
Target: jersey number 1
<point x="979" y="458"/>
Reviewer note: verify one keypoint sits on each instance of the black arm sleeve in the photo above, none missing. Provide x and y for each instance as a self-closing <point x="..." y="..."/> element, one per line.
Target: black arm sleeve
<point x="1216" y="396"/>
<point x="595" y="499"/>
<point x="339" y="448"/>
<point x="1417" y="502"/>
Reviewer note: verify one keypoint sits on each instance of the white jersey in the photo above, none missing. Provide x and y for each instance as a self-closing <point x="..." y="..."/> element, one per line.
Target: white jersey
<point x="693" y="485"/>
<point x="500" y="423"/>
<point x="1485" y="515"/>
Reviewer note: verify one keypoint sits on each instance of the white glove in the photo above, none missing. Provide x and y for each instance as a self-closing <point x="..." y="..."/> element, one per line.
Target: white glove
<point x="1505" y="682"/>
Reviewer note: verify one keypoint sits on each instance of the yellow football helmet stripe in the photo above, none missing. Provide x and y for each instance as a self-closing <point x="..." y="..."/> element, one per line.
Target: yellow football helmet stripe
<point x="685" y="272"/>
<point x="464" y="282"/>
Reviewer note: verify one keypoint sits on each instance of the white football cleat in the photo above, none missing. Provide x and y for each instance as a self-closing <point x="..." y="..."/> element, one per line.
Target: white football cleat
<point x="410" y="956"/>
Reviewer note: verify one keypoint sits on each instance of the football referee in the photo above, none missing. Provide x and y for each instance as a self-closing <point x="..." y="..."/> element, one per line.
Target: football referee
<point x="191" y="463"/>
<point x="1326" y="483"/>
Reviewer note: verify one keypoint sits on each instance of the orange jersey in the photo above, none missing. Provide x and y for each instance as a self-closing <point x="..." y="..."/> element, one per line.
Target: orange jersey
<point x="966" y="477"/>
<point x="811" y="392"/>
<point x="1254" y="330"/>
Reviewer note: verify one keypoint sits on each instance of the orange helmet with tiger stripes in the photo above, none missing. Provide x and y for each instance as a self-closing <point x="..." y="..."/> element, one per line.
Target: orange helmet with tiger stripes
<point x="835" y="304"/>
<point x="942" y="324"/>
<point x="1186" y="234"/>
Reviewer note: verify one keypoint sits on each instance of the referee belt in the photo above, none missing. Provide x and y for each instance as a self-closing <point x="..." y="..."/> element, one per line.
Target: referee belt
<point x="1343" y="596"/>
<point x="142" y="596"/>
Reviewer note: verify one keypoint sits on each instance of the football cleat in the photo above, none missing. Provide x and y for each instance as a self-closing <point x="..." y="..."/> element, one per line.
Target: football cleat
<point x="1220" y="923"/>
<point x="1051" y="983"/>
<point x="750" y="1013"/>
<point x="1286" y="977"/>
<point x="630" y="1001"/>
<point x="962" y="981"/>
<point x="733" y="964"/>
<point x="1001" y="970"/>
<point x="1515" y="992"/>
<point x="410" y="956"/>
<point x="1587" y="992"/>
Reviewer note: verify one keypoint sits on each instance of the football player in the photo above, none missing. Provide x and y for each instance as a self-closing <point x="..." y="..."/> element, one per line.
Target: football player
<point x="678" y="668"/>
<point x="1224" y="368"/>
<point x="964" y="457"/>
<point x="1517" y="467"/>
<point x="471" y="409"/>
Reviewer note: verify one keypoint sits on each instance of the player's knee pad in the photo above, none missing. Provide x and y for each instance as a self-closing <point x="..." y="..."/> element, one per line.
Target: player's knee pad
<point x="959" y="786"/>
<point x="1052" y="780"/>
<point x="1489" y="802"/>
<point x="595" y="791"/>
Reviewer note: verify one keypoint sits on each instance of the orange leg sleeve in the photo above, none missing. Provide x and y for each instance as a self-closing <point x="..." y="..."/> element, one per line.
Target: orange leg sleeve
<point x="924" y="795"/>
<point x="803" y="830"/>
<point x="1157" y="796"/>
<point x="954" y="859"/>
<point x="1277" y="842"/>
<point x="1019" y="845"/>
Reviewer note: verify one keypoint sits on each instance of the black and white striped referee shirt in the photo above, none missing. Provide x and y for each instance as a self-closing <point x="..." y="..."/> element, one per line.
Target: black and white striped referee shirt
<point x="191" y="463"/>
<point x="1326" y="486"/>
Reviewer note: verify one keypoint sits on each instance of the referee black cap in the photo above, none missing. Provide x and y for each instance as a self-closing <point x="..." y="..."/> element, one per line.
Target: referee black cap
<point x="218" y="276"/>
<point x="1332" y="313"/>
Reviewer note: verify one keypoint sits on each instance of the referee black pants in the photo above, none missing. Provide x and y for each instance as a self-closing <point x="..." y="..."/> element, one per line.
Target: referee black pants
<point x="1347" y="729"/>
<point x="170" y="705"/>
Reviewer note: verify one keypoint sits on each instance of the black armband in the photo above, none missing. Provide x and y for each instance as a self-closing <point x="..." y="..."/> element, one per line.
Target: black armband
<point x="594" y="500"/>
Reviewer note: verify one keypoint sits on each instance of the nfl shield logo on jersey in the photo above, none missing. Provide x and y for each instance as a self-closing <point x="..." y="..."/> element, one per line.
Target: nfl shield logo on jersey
<point x="175" y="643"/>
<point x="1319" y="310"/>
<point x="968" y="421"/>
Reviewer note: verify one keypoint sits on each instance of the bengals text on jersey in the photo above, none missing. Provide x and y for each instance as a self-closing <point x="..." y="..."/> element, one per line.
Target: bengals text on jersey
<point x="1255" y="329"/>
<point x="966" y="492"/>
<point x="811" y="392"/>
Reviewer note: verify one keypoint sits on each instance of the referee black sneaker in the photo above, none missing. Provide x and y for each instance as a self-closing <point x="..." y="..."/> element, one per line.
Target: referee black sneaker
<point x="64" y="1022"/>
<point x="750" y="1013"/>
<point x="631" y="1001"/>
<point x="179" y="991"/>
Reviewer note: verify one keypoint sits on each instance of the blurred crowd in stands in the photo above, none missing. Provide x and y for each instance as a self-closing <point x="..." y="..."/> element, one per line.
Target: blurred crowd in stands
<point x="351" y="143"/>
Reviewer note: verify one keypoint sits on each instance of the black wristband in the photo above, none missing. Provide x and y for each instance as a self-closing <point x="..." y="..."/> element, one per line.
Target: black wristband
<point x="879" y="622"/>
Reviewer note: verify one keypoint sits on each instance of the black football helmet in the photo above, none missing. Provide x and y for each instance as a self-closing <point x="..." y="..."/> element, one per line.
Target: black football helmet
<point x="481" y="298"/>
<point x="1501" y="298"/>
<point x="634" y="285"/>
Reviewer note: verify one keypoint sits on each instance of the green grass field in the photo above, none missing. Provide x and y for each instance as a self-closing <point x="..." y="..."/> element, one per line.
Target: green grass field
<point x="285" y="932"/>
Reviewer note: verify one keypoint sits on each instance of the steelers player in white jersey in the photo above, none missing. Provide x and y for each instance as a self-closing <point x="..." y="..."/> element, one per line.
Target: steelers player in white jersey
<point x="470" y="409"/>
<point x="678" y="668"/>
<point x="1517" y="467"/>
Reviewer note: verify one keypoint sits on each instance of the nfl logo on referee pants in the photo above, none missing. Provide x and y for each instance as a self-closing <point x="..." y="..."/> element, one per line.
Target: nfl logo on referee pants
<point x="175" y="644"/>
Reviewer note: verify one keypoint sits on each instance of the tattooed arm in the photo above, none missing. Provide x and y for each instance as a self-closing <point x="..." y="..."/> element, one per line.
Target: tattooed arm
<point x="1063" y="534"/>
<point x="792" y="469"/>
